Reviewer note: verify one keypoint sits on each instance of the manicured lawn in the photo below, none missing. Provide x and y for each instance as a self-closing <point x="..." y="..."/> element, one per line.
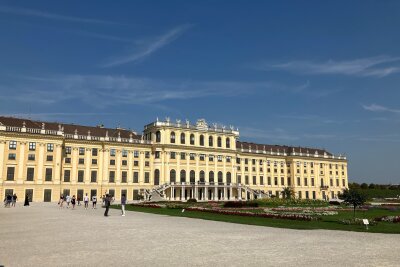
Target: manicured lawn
<point x="328" y="222"/>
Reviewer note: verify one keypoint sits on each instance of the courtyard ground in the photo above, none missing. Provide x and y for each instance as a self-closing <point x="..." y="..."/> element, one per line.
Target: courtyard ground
<point x="44" y="235"/>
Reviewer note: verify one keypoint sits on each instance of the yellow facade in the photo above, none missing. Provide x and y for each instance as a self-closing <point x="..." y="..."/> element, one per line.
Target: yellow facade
<point x="171" y="161"/>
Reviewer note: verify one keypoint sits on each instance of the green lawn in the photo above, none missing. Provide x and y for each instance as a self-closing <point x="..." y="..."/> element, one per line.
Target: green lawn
<point x="327" y="222"/>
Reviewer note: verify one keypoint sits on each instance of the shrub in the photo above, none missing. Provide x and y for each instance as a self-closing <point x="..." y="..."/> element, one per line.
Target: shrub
<point x="240" y="204"/>
<point x="192" y="200"/>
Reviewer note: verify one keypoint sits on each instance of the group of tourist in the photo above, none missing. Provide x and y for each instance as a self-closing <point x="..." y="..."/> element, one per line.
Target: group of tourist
<point x="107" y="200"/>
<point x="11" y="200"/>
<point x="72" y="201"/>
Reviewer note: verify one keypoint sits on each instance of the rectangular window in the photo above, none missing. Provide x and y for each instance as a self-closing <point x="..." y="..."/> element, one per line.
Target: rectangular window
<point x="112" y="152"/>
<point x="30" y="174"/>
<point x="124" y="176"/>
<point x="253" y="161"/>
<point x="211" y="158"/>
<point x="136" y="177"/>
<point x="49" y="175"/>
<point x="68" y="150"/>
<point x="112" y="161"/>
<point x="147" y="164"/>
<point x="202" y="157"/>
<point x="147" y="177"/>
<point x="343" y="183"/>
<point x="268" y="163"/>
<point x="94" y="161"/>
<point x="136" y="154"/>
<point x="93" y="177"/>
<point x="183" y="155"/>
<point x="312" y="182"/>
<point x="337" y="182"/>
<point x="275" y="180"/>
<point x="111" y="178"/>
<point x="124" y="153"/>
<point x="81" y="151"/>
<point x="228" y="159"/>
<point x="12" y="145"/>
<point x="239" y="179"/>
<point x="282" y="181"/>
<point x="268" y="169"/>
<point x="157" y="155"/>
<point x="49" y="158"/>
<point x="191" y="155"/>
<point x="136" y="163"/>
<point x="68" y="160"/>
<point x="254" y="179"/>
<point x="300" y="196"/>
<point x="307" y="196"/>
<point x="246" y="179"/>
<point x="269" y="180"/>
<point x="32" y="146"/>
<point x="94" y="152"/>
<point x="219" y="157"/>
<point x="305" y="182"/>
<point x="289" y="183"/>
<point x="313" y="195"/>
<point x="331" y="182"/>
<point x="31" y="156"/>
<point x="246" y="161"/>
<point x="12" y="156"/>
<point x="173" y="155"/>
<point x="298" y="181"/>
<point x="50" y="147"/>
<point x="261" y="180"/>
<point x="81" y="175"/>
<point x="81" y="161"/>
<point x="10" y="173"/>
<point x="124" y="162"/>
<point x="237" y="160"/>
<point x="67" y="175"/>
<point x="147" y="154"/>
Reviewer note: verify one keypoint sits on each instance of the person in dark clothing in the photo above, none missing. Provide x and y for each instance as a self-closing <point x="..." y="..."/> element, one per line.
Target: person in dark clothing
<point x="26" y="203"/>
<point x="107" y="204"/>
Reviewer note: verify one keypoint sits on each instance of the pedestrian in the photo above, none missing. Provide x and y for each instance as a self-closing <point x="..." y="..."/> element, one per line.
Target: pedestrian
<point x="79" y="200"/>
<point x="73" y="202"/>
<point x="94" y="201"/>
<point x="68" y="199"/>
<point x="107" y="203"/>
<point x="14" y="200"/>
<point x="86" y="201"/>
<point x="61" y="201"/>
<point x="26" y="203"/>
<point x="8" y="200"/>
<point x="123" y="203"/>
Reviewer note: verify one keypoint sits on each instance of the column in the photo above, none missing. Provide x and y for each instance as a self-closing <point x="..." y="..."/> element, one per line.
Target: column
<point x="58" y="163"/>
<point x="40" y="166"/>
<point x="215" y="192"/>
<point x="2" y="148"/>
<point x="20" y="158"/>
<point x="225" y="193"/>
<point x="182" y="193"/>
<point x="206" y="193"/>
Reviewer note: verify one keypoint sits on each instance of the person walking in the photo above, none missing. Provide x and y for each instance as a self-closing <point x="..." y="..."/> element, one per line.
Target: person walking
<point x="86" y="201"/>
<point x="79" y="200"/>
<point x="73" y="202"/>
<point x="94" y="201"/>
<point x="26" y="203"/>
<point x="61" y="201"/>
<point x="68" y="199"/>
<point x="14" y="200"/>
<point x="107" y="202"/>
<point x="123" y="203"/>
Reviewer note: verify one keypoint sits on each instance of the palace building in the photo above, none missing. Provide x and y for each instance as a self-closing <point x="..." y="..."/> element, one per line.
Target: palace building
<point x="169" y="160"/>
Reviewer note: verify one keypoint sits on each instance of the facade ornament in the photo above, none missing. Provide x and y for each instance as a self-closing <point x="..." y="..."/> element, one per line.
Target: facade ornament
<point x="88" y="133"/>
<point x="43" y="124"/>
<point x="215" y="125"/>
<point x="76" y="132"/>
<point x="106" y="133"/>
<point x="23" y="124"/>
<point x="157" y="119"/>
<point x="167" y="119"/>
<point x="59" y="127"/>
<point x="231" y="127"/>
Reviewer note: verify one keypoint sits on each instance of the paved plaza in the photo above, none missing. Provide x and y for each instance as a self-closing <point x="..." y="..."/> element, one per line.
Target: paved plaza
<point x="44" y="235"/>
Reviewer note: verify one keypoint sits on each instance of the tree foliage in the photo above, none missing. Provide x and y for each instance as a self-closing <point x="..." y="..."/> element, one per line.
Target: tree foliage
<point x="353" y="197"/>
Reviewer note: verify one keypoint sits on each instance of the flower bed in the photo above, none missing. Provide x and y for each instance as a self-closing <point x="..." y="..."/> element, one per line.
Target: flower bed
<point x="143" y="205"/>
<point x="393" y="219"/>
<point x="299" y="217"/>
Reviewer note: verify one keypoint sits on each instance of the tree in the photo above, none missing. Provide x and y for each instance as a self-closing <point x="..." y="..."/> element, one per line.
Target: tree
<point x="353" y="197"/>
<point x="364" y="186"/>
<point x="371" y="186"/>
<point x="287" y="192"/>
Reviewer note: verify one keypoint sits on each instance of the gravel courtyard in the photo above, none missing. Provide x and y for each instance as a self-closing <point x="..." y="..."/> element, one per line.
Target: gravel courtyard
<point x="44" y="235"/>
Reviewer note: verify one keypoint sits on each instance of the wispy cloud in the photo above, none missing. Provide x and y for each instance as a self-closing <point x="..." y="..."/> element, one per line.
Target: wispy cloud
<point x="373" y="66"/>
<point x="147" y="48"/>
<point x="46" y="15"/>
<point x="379" y="108"/>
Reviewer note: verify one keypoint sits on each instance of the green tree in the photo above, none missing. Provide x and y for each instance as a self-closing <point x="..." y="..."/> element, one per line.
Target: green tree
<point x="364" y="186"/>
<point x="287" y="192"/>
<point x="371" y="186"/>
<point x="353" y="197"/>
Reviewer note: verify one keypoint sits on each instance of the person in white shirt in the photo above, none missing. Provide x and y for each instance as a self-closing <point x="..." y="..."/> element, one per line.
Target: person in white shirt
<point x="94" y="201"/>
<point x="86" y="201"/>
<point x="68" y="199"/>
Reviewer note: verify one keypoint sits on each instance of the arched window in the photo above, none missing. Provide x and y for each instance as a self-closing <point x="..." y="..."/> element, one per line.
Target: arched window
<point x="192" y="177"/>
<point x="211" y="177"/>
<point x="183" y="176"/>
<point x="173" y="137"/>
<point x="158" y="136"/>
<point x="210" y="141"/>
<point x="192" y="139"/>
<point x="228" y="178"/>
<point x="202" y="140"/>
<point x="182" y="138"/>
<point x="228" y="142"/>
<point x="172" y="176"/>
<point x="219" y="142"/>
<point x="220" y="180"/>
<point x="202" y="177"/>
<point x="157" y="177"/>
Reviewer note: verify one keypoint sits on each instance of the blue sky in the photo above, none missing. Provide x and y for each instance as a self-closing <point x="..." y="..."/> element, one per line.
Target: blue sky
<point x="311" y="73"/>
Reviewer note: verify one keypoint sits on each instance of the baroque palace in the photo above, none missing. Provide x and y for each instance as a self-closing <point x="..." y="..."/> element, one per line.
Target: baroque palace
<point x="170" y="161"/>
